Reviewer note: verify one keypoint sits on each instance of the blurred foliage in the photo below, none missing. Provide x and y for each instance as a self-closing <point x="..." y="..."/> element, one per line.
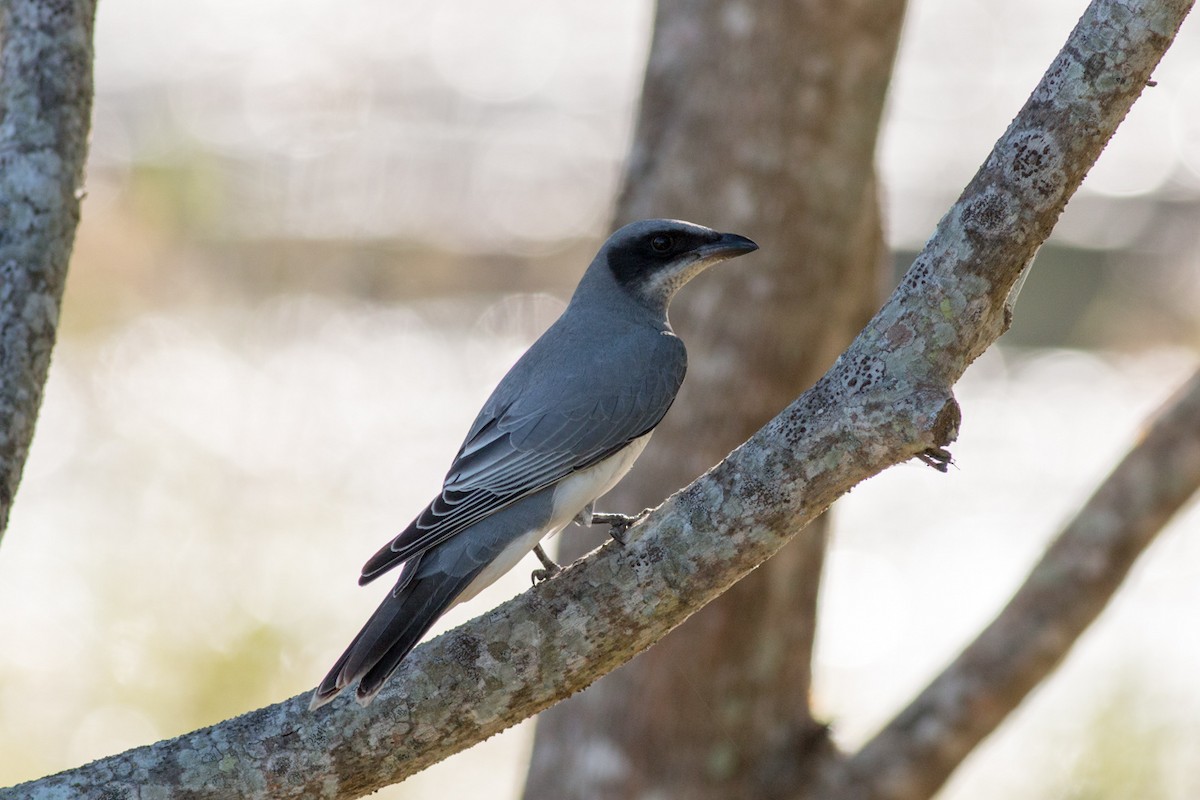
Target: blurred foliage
<point x="183" y="198"/>
<point x="188" y="687"/>
<point x="1122" y="753"/>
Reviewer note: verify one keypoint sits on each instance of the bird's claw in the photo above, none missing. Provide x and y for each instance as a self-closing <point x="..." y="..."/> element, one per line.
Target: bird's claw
<point x="937" y="457"/>
<point x="549" y="569"/>
<point x="618" y="524"/>
<point x="539" y="575"/>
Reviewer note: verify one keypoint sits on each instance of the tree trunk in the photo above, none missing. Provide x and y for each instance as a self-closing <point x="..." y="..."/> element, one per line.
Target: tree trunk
<point x="760" y="120"/>
<point x="45" y="115"/>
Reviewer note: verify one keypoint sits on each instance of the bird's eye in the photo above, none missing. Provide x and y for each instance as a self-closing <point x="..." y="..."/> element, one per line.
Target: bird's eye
<point x="661" y="243"/>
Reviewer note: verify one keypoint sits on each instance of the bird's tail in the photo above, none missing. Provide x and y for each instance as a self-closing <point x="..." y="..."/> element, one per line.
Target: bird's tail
<point x="390" y="634"/>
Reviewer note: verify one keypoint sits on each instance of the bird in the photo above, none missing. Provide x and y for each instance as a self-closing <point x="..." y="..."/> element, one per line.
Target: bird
<point x="560" y="430"/>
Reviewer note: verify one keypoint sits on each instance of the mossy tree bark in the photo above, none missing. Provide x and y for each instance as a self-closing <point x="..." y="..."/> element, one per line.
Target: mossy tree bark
<point x="45" y="116"/>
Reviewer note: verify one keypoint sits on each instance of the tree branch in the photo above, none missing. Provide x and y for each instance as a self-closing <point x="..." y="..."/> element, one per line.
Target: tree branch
<point x="916" y="752"/>
<point x="886" y="399"/>
<point x="45" y="112"/>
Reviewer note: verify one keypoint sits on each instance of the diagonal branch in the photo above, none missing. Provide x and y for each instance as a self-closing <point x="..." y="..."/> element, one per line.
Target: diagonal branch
<point x="886" y="399"/>
<point x="45" y="114"/>
<point x="916" y="752"/>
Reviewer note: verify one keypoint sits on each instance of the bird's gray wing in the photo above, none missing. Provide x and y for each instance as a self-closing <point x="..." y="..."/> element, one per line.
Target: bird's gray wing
<point x="536" y="429"/>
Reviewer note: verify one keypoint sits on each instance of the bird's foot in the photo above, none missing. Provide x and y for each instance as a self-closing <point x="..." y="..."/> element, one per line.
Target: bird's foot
<point x="550" y="567"/>
<point x="618" y="524"/>
<point x="584" y="517"/>
<point x="936" y="457"/>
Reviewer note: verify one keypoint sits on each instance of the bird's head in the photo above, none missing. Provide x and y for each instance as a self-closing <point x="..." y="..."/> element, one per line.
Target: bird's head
<point x="651" y="259"/>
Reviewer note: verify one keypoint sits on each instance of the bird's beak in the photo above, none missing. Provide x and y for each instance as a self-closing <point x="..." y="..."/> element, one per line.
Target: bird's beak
<point x="663" y="284"/>
<point x="730" y="245"/>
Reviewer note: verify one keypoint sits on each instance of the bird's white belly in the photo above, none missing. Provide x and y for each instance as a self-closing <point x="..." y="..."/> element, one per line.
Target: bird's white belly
<point x="575" y="491"/>
<point x="571" y="496"/>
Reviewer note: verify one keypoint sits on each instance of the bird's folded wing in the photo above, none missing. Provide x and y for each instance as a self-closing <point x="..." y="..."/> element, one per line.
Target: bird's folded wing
<point x="517" y="448"/>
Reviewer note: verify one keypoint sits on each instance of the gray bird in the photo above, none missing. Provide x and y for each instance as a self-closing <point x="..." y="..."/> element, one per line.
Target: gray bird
<point x="564" y="425"/>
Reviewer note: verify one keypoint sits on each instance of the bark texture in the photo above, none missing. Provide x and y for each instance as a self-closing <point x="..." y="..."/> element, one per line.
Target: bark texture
<point x="886" y="399"/>
<point x="761" y="119"/>
<point x="45" y="115"/>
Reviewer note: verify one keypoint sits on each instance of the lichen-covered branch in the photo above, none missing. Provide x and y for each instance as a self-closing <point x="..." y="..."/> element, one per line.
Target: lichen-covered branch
<point x="886" y="399"/>
<point x="916" y="752"/>
<point x="45" y="112"/>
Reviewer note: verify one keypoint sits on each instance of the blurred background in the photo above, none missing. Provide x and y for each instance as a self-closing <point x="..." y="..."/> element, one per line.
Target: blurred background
<point x="316" y="233"/>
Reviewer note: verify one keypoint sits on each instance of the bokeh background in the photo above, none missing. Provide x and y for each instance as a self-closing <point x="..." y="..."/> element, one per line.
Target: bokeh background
<point x="316" y="233"/>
